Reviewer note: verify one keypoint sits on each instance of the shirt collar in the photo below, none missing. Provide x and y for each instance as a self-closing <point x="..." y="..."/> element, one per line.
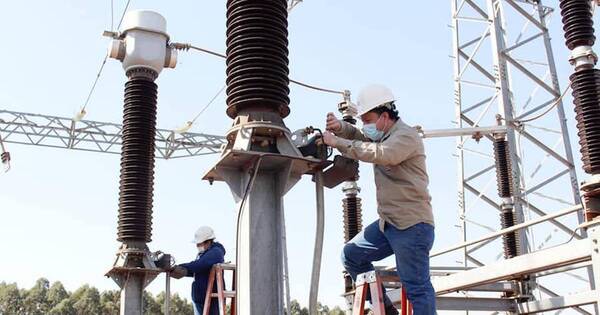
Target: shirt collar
<point x="389" y="133"/>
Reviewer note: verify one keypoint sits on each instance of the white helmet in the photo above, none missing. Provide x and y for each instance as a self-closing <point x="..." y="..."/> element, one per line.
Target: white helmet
<point x="373" y="96"/>
<point x="203" y="233"/>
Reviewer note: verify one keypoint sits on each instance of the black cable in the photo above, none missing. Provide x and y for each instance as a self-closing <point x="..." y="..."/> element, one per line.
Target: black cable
<point x="87" y="100"/>
<point x="123" y="15"/>
<point x="329" y="149"/>
<point x="185" y="46"/>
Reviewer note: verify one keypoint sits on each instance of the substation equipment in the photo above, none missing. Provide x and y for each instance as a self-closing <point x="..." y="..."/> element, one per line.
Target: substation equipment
<point x="261" y="159"/>
<point x="142" y="48"/>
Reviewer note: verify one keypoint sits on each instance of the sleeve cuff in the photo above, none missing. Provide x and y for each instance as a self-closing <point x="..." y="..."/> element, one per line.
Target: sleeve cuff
<point x="343" y="145"/>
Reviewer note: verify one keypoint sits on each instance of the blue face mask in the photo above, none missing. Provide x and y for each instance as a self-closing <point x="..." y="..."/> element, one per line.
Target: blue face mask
<point x="371" y="131"/>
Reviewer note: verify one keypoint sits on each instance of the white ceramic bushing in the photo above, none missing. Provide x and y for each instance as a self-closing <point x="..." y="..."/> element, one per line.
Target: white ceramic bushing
<point x="143" y="42"/>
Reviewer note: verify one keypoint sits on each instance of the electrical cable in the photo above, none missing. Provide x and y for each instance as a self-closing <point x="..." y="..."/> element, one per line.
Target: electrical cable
<point x="185" y="46"/>
<point x="123" y="15"/>
<point x="112" y="15"/>
<point x="188" y="125"/>
<point x="87" y="100"/>
<point x="558" y="100"/>
<point x="318" y="249"/>
<point x="316" y="87"/>
<point x="329" y="149"/>
<point x="209" y="103"/>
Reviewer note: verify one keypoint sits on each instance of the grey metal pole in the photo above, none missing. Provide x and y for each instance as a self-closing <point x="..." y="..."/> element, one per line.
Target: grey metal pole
<point x="561" y="114"/>
<point x="167" y="293"/>
<point x="286" y="272"/>
<point x="259" y="289"/>
<point x="132" y="294"/>
<point x="460" y="160"/>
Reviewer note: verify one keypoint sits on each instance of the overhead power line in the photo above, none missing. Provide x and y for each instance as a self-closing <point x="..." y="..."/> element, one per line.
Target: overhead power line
<point x="185" y="46"/>
<point x="82" y="111"/>
<point x="123" y="15"/>
<point x="188" y="125"/>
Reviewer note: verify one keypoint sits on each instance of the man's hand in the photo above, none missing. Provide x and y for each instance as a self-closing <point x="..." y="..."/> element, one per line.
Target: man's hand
<point x="333" y="124"/>
<point x="330" y="139"/>
<point x="178" y="272"/>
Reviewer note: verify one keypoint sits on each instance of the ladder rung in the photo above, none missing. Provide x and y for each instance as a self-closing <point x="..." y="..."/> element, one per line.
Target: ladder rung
<point x="227" y="294"/>
<point x="226" y="266"/>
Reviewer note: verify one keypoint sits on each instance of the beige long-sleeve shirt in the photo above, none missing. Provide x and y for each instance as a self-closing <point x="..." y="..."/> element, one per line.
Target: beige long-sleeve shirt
<point x="401" y="179"/>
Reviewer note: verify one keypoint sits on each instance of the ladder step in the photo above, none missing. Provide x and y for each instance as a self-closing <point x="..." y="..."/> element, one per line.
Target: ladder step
<point x="227" y="294"/>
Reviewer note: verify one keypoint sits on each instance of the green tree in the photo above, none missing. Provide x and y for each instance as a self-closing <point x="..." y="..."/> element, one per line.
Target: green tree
<point x="36" y="299"/>
<point x="180" y="306"/>
<point x="336" y="311"/>
<point x="65" y="307"/>
<point x="56" y="294"/>
<point x="151" y="306"/>
<point x="322" y="309"/>
<point x="86" y="300"/>
<point x="296" y="309"/>
<point x="110" y="302"/>
<point x="11" y="300"/>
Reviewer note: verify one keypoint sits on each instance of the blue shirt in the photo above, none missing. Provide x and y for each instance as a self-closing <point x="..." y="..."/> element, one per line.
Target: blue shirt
<point x="200" y="269"/>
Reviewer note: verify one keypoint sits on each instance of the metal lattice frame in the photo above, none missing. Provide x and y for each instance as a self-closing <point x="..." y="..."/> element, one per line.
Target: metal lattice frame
<point x="95" y="136"/>
<point x="508" y="71"/>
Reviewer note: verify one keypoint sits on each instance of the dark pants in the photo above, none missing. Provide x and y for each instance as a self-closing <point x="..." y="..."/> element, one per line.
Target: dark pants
<point x="199" y="308"/>
<point x="411" y="248"/>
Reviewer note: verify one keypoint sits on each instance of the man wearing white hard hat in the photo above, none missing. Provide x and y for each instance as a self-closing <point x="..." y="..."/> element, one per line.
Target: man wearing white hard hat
<point x="405" y="225"/>
<point x="210" y="252"/>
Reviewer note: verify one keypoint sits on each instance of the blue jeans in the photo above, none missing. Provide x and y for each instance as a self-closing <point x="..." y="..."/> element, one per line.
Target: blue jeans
<point x="411" y="247"/>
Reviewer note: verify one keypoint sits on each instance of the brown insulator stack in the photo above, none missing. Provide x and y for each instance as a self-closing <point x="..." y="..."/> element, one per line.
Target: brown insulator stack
<point x="505" y="191"/>
<point x="579" y="37"/>
<point x="137" y="160"/>
<point x="257" y="57"/>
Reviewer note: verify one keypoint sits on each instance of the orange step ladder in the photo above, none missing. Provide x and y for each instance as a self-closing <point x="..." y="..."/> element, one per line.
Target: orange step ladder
<point x="370" y="281"/>
<point x="216" y="276"/>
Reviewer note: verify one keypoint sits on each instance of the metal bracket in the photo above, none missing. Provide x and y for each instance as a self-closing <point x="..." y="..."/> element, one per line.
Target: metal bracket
<point x="135" y="258"/>
<point x="366" y="277"/>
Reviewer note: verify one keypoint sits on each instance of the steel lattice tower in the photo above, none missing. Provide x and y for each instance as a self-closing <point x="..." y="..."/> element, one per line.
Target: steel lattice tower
<point x="504" y="73"/>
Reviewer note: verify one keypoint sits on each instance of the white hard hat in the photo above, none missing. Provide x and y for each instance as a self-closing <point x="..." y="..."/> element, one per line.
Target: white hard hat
<point x="203" y="233"/>
<point x="373" y="96"/>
